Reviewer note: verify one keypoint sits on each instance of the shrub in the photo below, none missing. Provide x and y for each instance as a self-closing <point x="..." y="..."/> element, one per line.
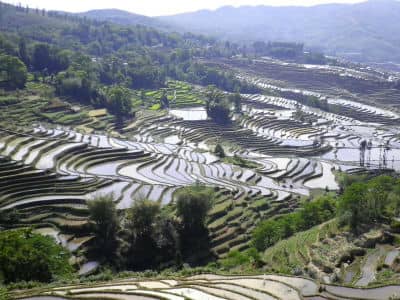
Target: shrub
<point x="27" y="256"/>
<point x="269" y="232"/>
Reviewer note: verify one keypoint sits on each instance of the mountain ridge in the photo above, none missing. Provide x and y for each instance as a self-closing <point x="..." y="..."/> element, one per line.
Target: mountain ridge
<point x="365" y="31"/>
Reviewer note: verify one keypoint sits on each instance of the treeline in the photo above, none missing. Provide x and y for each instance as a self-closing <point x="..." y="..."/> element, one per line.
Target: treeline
<point x="147" y="236"/>
<point x="143" y="237"/>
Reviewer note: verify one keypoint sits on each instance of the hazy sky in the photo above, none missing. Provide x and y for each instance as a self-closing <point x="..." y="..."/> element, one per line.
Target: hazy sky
<point x="160" y="7"/>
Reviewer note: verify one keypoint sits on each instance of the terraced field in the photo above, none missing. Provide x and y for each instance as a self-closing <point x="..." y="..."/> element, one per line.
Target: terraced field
<point x="160" y="152"/>
<point x="66" y="168"/>
<point x="212" y="287"/>
<point x="356" y="83"/>
<point x="49" y="172"/>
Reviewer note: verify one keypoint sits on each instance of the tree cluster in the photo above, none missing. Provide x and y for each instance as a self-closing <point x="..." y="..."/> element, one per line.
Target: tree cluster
<point x="269" y="232"/>
<point x="366" y="203"/>
<point x="151" y="237"/>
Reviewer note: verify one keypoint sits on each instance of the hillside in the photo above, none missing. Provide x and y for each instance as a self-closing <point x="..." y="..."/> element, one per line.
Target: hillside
<point x="123" y="18"/>
<point x="363" y="32"/>
<point x="138" y="164"/>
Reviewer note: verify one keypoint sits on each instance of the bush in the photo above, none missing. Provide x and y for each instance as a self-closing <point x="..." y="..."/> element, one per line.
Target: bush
<point x="237" y="258"/>
<point x="269" y="232"/>
<point x="27" y="256"/>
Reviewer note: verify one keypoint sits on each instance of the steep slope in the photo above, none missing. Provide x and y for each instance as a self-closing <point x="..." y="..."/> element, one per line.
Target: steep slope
<point x="364" y="31"/>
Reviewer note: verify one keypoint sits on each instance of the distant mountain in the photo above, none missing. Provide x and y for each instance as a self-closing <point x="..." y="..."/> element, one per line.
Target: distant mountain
<point x="123" y="18"/>
<point x="367" y="31"/>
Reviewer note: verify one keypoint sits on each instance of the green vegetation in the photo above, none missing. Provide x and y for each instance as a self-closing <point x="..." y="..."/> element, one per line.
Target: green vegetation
<point x="361" y="205"/>
<point x="151" y="237"/>
<point x="310" y="214"/>
<point x="133" y="57"/>
<point x="105" y="226"/>
<point x="175" y="94"/>
<point x="368" y="203"/>
<point x="235" y="259"/>
<point x="192" y="206"/>
<point x="13" y="72"/>
<point x="290" y="256"/>
<point x="241" y="162"/>
<point x="217" y="106"/>
<point x="219" y="151"/>
<point x="27" y="256"/>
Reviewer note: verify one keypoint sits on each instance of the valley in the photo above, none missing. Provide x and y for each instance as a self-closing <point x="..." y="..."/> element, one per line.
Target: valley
<point x="143" y="164"/>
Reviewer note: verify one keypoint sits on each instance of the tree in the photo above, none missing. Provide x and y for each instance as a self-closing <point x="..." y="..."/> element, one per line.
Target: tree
<point x="192" y="206"/>
<point x="140" y="249"/>
<point x="27" y="256"/>
<point x="236" y="99"/>
<point x="105" y="226"/>
<point x="266" y="234"/>
<point x="23" y="52"/>
<point x="41" y="57"/>
<point x="353" y="209"/>
<point x="164" y="102"/>
<point x="217" y="107"/>
<point x="119" y="100"/>
<point x="13" y="72"/>
<point x="219" y="151"/>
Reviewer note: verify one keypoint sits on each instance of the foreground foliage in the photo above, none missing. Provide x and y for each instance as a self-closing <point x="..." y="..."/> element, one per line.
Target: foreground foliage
<point x="27" y="256"/>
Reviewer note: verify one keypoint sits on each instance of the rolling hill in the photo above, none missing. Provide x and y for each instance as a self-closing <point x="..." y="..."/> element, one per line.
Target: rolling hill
<point x="366" y="32"/>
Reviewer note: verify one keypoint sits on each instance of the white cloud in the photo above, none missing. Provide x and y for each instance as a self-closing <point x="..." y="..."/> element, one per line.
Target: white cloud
<point x="161" y="7"/>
